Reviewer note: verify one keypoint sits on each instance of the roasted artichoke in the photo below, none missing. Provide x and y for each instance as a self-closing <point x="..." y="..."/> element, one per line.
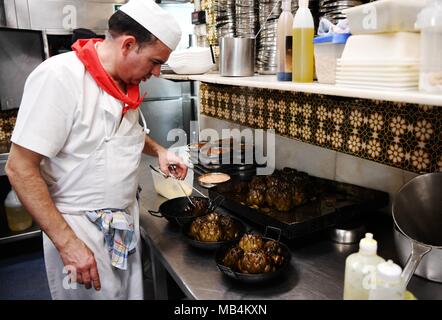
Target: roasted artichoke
<point x="251" y="242"/>
<point x="199" y="208"/>
<point x="254" y="255"/>
<point x="273" y="250"/>
<point x="256" y="261"/>
<point x="213" y="228"/>
<point x="232" y="257"/>
<point x="209" y="231"/>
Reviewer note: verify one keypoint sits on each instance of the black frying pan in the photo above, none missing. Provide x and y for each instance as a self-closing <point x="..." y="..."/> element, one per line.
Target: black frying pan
<point x="212" y="245"/>
<point x="179" y="210"/>
<point x="254" y="278"/>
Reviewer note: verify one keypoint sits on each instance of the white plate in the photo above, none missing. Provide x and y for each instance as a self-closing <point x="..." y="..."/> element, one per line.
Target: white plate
<point x="379" y="69"/>
<point x="377" y="86"/>
<point x="365" y="79"/>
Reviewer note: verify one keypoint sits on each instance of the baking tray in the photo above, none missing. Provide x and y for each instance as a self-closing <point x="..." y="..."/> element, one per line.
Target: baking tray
<point x="334" y="203"/>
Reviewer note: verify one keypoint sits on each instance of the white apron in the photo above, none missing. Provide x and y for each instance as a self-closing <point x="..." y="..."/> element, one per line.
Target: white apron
<point x="106" y="179"/>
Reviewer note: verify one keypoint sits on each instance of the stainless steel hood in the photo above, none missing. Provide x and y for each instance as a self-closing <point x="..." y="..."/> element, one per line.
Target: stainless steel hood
<point x="60" y="16"/>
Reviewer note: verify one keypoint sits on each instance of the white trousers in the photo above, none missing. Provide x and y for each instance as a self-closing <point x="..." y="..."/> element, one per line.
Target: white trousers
<point x="116" y="284"/>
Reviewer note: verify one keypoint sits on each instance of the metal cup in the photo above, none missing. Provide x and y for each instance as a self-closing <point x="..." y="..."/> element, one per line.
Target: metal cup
<point x="237" y="57"/>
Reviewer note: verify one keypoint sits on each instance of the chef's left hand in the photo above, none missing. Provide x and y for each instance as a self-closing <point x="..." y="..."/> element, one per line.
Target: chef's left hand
<point x="170" y="163"/>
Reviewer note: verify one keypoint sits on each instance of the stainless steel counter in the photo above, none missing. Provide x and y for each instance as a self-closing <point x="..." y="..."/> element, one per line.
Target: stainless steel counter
<point x="316" y="271"/>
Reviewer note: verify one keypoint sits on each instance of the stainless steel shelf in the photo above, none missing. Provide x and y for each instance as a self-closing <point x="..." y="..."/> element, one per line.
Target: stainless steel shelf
<point x="10" y="236"/>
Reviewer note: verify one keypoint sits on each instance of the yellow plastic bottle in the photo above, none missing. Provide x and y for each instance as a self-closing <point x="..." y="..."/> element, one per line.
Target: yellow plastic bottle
<point x="360" y="270"/>
<point x="303" y="33"/>
<point x="16" y="215"/>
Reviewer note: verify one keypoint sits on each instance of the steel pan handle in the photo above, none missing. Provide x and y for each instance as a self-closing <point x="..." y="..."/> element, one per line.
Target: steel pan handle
<point x="155" y="213"/>
<point x="418" y="251"/>
<point x="276" y="230"/>
<point x="227" y="271"/>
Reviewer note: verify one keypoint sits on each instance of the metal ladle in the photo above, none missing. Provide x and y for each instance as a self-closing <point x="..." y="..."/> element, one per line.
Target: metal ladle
<point x="166" y="176"/>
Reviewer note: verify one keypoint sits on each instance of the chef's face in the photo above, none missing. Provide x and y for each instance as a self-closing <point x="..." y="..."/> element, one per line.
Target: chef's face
<point x="140" y="63"/>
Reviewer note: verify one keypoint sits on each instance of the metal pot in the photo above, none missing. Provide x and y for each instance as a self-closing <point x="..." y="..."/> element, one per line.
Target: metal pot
<point x="417" y="213"/>
<point x="430" y="266"/>
<point x="237" y="57"/>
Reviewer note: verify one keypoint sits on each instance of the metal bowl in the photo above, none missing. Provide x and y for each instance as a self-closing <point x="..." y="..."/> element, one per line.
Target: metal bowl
<point x="211" y="185"/>
<point x="347" y="234"/>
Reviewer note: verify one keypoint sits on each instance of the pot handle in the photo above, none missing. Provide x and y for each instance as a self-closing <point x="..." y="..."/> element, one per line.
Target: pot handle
<point x="418" y="250"/>
<point x="155" y="213"/>
<point x="227" y="270"/>
<point x="274" y="229"/>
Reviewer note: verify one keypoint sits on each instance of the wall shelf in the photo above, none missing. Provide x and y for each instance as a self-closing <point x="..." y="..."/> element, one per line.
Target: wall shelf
<point x="270" y="82"/>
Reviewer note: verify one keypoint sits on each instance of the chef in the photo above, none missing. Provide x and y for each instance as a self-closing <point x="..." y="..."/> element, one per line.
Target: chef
<point x="76" y="149"/>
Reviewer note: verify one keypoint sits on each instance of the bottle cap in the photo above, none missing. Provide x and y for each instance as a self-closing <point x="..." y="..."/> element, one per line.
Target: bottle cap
<point x="389" y="271"/>
<point x="286" y="5"/>
<point x="368" y="244"/>
<point x="430" y="16"/>
<point x="12" y="200"/>
<point x="303" y="3"/>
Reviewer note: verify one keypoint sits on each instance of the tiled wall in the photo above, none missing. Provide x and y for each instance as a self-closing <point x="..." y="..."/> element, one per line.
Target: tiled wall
<point x="322" y="162"/>
<point x="401" y="135"/>
<point x="7" y="123"/>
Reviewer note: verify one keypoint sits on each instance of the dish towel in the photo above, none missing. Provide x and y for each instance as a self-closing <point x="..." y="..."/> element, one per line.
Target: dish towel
<point x="118" y="229"/>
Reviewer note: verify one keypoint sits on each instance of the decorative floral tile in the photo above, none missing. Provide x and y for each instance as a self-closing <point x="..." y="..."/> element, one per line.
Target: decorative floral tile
<point x="7" y="123"/>
<point x="403" y="135"/>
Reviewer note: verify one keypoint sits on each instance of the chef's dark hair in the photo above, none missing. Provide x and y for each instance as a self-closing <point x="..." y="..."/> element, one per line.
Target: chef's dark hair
<point x="121" y="24"/>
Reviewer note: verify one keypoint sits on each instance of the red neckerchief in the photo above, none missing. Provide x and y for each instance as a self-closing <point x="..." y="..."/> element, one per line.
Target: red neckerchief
<point x="85" y="50"/>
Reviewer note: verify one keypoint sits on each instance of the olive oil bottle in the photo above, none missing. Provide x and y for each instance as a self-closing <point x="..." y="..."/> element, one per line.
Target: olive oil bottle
<point x="303" y="33"/>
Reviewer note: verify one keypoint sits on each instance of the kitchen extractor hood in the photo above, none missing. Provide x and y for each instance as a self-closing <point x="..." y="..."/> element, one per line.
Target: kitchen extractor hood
<point x="60" y="16"/>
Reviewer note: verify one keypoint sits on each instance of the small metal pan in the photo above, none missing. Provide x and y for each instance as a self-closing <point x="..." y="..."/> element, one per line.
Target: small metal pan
<point x="253" y="278"/>
<point x="211" y="185"/>
<point x="174" y="210"/>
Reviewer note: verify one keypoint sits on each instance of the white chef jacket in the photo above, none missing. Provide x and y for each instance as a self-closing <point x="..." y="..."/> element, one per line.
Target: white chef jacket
<point x="61" y="117"/>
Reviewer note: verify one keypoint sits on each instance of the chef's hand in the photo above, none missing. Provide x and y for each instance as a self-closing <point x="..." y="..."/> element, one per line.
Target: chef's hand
<point x="78" y="258"/>
<point x="170" y="163"/>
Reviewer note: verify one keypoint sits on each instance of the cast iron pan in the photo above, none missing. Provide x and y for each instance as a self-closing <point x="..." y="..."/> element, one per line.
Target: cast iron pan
<point x="253" y="278"/>
<point x="174" y="210"/>
<point x="212" y="245"/>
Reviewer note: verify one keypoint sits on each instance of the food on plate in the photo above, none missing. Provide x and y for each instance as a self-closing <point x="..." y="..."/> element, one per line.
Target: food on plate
<point x="214" y="228"/>
<point x="254" y="255"/>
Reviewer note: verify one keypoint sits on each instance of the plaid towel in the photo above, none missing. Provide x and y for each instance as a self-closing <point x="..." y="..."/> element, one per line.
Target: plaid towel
<point x="118" y="229"/>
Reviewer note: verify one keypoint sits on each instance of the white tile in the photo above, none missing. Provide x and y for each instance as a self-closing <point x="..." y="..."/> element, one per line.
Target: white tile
<point x="368" y="174"/>
<point x="217" y="124"/>
<point x="314" y="160"/>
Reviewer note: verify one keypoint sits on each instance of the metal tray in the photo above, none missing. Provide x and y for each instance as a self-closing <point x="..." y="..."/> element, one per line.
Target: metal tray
<point x="335" y="203"/>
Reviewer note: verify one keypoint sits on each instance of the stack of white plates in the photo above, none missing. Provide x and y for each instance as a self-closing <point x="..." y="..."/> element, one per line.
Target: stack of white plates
<point x="379" y="75"/>
<point x="388" y="61"/>
<point x="195" y="60"/>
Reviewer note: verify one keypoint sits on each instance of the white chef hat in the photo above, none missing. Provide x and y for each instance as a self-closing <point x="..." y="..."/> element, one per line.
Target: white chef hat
<point x="158" y="21"/>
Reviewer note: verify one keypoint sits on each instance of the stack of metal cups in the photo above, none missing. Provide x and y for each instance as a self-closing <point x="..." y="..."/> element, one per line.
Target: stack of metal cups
<point x="246" y="18"/>
<point x="225" y="19"/>
<point x="266" y="42"/>
<point x="332" y="9"/>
